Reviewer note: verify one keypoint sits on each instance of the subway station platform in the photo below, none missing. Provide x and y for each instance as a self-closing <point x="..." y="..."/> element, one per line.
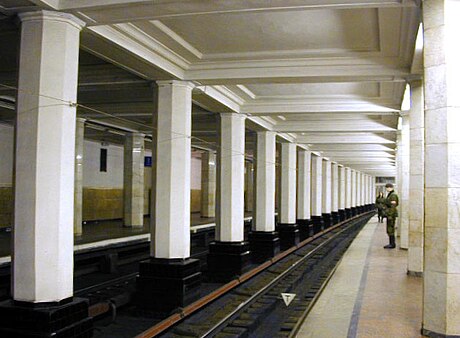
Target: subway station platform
<point x="370" y="293"/>
<point x="97" y="234"/>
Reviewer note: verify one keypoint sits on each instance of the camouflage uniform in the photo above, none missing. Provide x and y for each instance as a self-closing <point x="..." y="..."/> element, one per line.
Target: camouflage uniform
<point x="391" y="212"/>
<point x="380" y="203"/>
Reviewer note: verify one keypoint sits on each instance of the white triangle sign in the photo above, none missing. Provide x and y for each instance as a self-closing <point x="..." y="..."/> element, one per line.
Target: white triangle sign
<point x="288" y="298"/>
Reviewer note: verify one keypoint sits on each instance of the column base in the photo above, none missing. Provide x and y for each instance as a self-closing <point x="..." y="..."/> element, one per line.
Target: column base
<point x="264" y="245"/>
<point x="22" y="319"/>
<point x="335" y="217"/>
<point x="348" y="213"/>
<point x="342" y="215"/>
<point x="305" y="228"/>
<point x="318" y="224"/>
<point x="289" y="235"/>
<point x="164" y="285"/>
<point x="431" y="334"/>
<point x="354" y="211"/>
<point x="327" y="220"/>
<point x="227" y="260"/>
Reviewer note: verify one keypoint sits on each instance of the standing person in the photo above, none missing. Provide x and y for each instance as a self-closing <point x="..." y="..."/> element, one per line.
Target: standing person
<point x="380" y="203"/>
<point x="391" y="211"/>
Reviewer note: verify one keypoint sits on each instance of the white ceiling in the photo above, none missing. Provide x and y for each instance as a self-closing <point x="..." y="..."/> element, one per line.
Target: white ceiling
<point x="327" y="74"/>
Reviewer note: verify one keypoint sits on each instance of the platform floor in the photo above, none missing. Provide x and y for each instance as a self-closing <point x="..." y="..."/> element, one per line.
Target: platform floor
<point x="370" y="294"/>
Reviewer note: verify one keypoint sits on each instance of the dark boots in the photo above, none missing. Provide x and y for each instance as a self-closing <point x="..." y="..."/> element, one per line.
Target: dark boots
<point x="392" y="244"/>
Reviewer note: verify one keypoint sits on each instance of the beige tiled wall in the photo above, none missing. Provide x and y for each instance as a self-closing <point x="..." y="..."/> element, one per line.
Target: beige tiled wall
<point x="6" y="206"/>
<point x="98" y="204"/>
<point x="195" y="200"/>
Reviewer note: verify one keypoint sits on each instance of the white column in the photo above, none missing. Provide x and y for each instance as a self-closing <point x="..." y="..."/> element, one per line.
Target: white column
<point x="416" y="181"/>
<point x="133" y="180"/>
<point x="45" y="157"/>
<point x="404" y="188"/>
<point x="78" y="197"/>
<point x="249" y="186"/>
<point x="348" y="188"/>
<point x="326" y="190"/>
<point x="303" y="185"/>
<point x="316" y="185"/>
<point x="441" y="314"/>
<point x="335" y="187"/>
<point x="171" y="224"/>
<point x="230" y="179"/>
<point x="208" y="184"/>
<point x="353" y="188"/>
<point x="288" y="183"/>
<point x="342" y="187"/>
<point x="264" y="217"/>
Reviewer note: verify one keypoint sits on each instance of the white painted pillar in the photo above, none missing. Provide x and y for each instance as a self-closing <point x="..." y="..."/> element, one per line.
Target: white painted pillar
<point x="342" y="178"/>
<point x="288" y="183"/>
<point x="353" y="188"/>
<point x="264" y="217"/>
<point x="133" y="180"/>
<point x="417" y="178"/>
<point x="404" y="188"/>
<point x="208" y="184"/>
<point x="348" y="188"/>
<point x="327" y="186"/>
<point x="441" y="275"/>
<point x="304" y="185"/>
<point x="316" y="185"/>
<point x="358" y="188"/>
<point x="78" y="195"/>
<point x="230" y="179"/>
<point x="249" y="186"/>
<point x="342" y="192"/>
<point x="171" y="224"/>
<point x="335" y="187"/>
<point x="45" y="157"/>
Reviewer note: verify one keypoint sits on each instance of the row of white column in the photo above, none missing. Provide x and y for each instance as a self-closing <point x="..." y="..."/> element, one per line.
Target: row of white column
<point x="45" y="168"/>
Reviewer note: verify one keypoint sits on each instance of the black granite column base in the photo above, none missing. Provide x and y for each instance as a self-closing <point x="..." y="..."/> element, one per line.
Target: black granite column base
<point x="289" y="235"/>
<point x="342" y="215"/>
<point x="318" y="224"/>
<point x="348" y="213"/>
<point x="264" y="245"/>
<point x="354" y="211"/>
<point x="65" y="319"/>
<point x="305" y="228"/>
<point x="327" y="220"/>
<point x="164" y="285"/>
<point x="335" y="217"/>
<point x="227" y="260"/>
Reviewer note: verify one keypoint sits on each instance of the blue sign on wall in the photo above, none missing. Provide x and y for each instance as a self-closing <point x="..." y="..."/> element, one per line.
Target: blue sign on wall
<point x="147" y="161"/>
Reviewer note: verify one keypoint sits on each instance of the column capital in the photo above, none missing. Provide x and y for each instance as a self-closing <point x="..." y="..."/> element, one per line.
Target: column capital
<point x="175" y="83"/>
<point x="235" y="114"/>
<point x="44" y="15"/>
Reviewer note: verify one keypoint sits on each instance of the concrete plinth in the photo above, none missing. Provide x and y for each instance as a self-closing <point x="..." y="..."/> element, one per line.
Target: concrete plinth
<point x="335" y="217"/>
<point x="227" y="260"/>
<point x="348" y="213"/>
<point x="327" y="218"/>
<point x="264" y="245"/>
<point x="305" y="228"/>
<point x="68" y="318"/>
<point x="318" y="224"/>
<point x="164" y="285"/>
<point x="289" y="235"/>
<point x="342" y="215"/>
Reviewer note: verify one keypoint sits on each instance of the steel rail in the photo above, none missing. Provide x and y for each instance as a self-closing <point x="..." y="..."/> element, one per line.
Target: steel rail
<point x="192" y="308"/>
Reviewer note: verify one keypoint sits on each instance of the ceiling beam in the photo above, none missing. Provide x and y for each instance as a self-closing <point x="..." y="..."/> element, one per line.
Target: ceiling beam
<point x="333" y="126"/>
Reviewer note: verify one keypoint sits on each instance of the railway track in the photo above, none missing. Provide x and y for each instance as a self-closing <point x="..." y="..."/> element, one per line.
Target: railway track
<point x="255" y="307"/>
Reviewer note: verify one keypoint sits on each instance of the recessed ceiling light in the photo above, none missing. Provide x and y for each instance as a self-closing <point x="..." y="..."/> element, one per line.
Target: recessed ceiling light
<point x="281" y="117"/>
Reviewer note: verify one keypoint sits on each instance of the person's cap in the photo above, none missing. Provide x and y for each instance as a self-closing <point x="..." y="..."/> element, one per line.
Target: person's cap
<point x="388" y="185"/>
